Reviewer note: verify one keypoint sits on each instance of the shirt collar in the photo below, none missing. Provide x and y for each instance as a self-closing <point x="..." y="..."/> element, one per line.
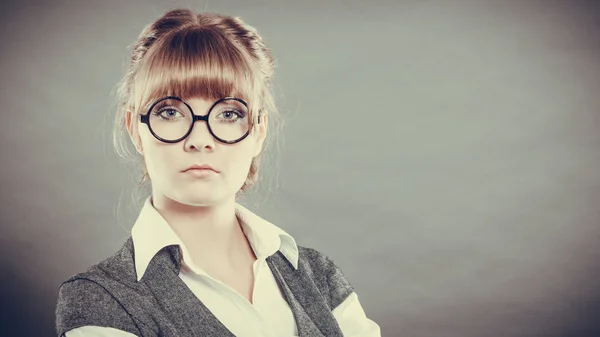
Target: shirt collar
<point x="151" y="233"/>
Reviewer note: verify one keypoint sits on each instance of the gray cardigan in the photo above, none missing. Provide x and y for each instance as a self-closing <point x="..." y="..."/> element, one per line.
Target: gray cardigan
<point x="161" y="304"/>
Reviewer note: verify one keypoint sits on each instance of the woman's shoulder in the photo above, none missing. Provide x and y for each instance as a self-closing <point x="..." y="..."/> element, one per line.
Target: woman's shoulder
<point x="325" y="273"/>
<point x="99" y="281"/>
<point x="118" y="267"/>
<point x="91" y="297"/>
<point x="85" y="300"/>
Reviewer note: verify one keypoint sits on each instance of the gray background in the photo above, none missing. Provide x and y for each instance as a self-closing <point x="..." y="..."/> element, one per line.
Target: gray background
<point x="444" y="153"/>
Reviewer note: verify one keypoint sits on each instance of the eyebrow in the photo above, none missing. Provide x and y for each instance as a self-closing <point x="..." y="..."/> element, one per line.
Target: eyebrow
<point x="170" y="101"/>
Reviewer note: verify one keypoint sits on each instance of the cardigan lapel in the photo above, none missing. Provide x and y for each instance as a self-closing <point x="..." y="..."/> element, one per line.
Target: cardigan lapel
<point x="189" y="316"/>
<point x="313" y="316"/>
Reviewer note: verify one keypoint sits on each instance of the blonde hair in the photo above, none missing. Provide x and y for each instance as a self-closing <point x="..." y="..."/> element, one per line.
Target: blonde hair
<point x="187" y="54"/>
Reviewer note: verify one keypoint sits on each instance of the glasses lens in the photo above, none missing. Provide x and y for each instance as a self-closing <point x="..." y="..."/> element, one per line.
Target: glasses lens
<point x="229" y="120"/>
<point x="170" y="119"/>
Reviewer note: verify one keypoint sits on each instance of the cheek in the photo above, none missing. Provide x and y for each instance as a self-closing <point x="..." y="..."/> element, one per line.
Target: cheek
<point x="156" y="156"/>
<point x="240" y="158"/>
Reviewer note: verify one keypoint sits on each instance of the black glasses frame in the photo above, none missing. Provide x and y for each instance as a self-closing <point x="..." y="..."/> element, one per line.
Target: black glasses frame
<point x="146" y="120"/>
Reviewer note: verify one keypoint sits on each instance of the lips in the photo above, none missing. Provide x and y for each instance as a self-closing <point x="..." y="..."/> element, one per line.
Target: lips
<point x="201" y="168"/>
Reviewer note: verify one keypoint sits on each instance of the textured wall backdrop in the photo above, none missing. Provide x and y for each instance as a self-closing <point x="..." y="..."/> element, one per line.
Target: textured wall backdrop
<point x="446" y="154"/>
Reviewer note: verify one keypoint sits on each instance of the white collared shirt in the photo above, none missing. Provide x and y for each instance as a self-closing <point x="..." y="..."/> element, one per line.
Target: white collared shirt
<point x="269" y="315"/>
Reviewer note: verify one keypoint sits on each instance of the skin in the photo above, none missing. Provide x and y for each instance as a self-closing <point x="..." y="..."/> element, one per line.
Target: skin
<point x="202" y="210"/>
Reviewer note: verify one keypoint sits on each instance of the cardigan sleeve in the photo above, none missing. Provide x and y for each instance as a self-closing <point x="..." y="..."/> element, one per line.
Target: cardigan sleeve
<point x="84" y="302"/>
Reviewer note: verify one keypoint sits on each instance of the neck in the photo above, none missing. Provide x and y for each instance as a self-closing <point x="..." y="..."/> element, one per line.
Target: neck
<point x="211" y="234"/>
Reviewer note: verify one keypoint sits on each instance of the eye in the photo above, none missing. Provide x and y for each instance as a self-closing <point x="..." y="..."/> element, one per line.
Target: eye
<point x="168" y="113"/>
<point x="230" y="115"/>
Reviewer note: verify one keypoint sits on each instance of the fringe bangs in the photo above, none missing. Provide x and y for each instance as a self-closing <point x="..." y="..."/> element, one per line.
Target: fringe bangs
<point x="195" y="63"/>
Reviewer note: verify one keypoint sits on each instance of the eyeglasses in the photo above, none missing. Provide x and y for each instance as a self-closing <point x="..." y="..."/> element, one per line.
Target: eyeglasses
<point x="170" y="120"/>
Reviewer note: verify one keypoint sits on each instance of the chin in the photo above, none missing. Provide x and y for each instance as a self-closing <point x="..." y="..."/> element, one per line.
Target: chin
<point x="200" y="202"/>
<point x="200" y="196"/>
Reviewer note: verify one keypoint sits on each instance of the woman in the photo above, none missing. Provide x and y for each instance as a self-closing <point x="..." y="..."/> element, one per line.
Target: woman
<point x="196" y="102"/>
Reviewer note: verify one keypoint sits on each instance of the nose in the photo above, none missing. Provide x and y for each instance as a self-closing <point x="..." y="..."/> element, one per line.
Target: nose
<point x="200" y="138"/>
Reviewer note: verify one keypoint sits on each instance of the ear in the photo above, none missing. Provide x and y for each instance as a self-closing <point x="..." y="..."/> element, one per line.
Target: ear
<point x="135" y="138"/>
<point x="262" y="133"/>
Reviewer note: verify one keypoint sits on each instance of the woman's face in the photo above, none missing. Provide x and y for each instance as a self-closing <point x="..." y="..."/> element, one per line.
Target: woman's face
<point x="167" y="163"/>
